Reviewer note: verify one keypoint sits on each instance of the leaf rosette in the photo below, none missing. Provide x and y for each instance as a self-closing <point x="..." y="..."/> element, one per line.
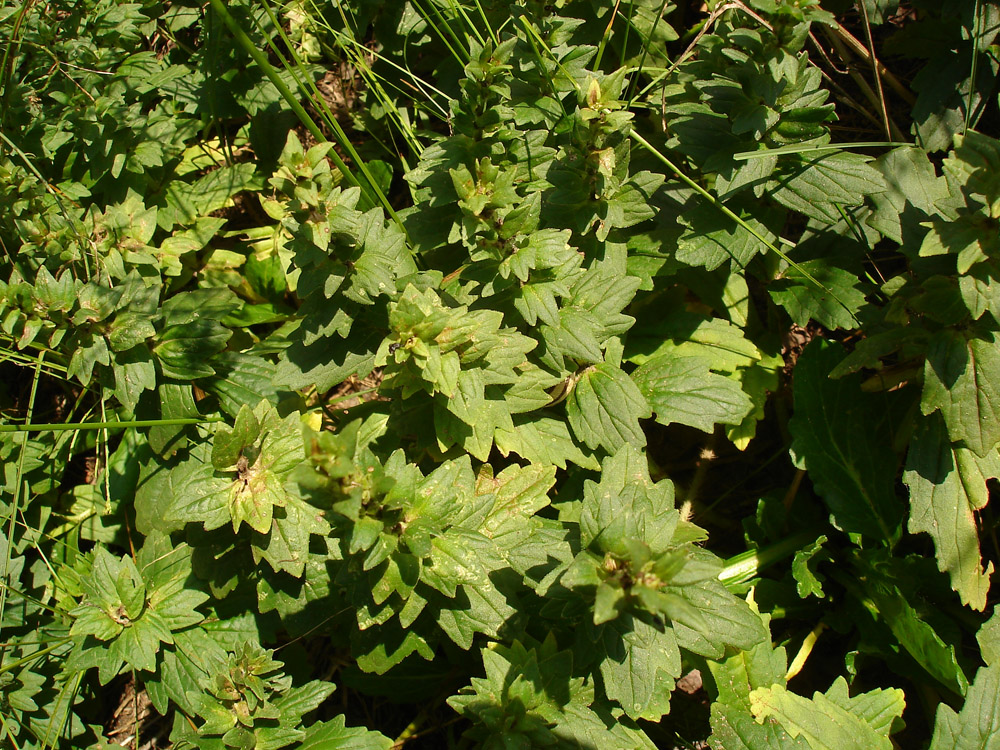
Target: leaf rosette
<point x="651" y="590"/>
<point x="131" y="608"/>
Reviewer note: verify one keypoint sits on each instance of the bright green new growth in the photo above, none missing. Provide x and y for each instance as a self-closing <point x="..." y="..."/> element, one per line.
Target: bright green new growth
<point x="250" y="703"/>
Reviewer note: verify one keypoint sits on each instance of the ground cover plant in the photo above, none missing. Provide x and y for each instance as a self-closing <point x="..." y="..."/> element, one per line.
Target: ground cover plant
<point x="460" y="373"/>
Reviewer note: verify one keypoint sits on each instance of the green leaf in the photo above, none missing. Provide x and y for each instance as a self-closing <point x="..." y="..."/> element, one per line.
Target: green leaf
<point x="184" y="350"/>
<point x="603" y="292"/>
<point x="962" y="380"/>
<point x="989" y="639"/>
<point x="383" y="258"/>
<point x="166" y="483"/>
<point x="176" y="402"/>
<point x="630" y="204"/>
<point x="470" y="418"/>
<point x="639" y="664"/>
<point x="285" y="544"/>
<point x="188" y="203"/>
<point x="970" y="237"/>
<point x="482" y="609"/>
<point x="842" y="435"/>
<point x="817" y="185"/>
<point x="980" y="293"/>
<point x="728" y="621"/>
<point x="228" y="445"/>
<point x="834" y="306"/>
<point x="947" y="486"/>
<point x="298" y="600"/>
<point x="543" y="440"/>
<point x="239" y="379"/>
<point x="530" y="392"/>
<point x="134" y="373"/>
<point x="336" y="735"/>
<point x="184" y="668"/>
<point x="530" y="696"/>
<point x="253" y="497"/>
<point x="683" y="390"/>
<point x="303" y="699"/>
<point x="576" y="336"/>
<point x="831" y="721"/>
<point x="685" y="334"/>
<point x="131" y="609"/>
<point x="329" y="360"/>
<point x="380" y="649"/>
<point x="207" y="304"/>
<point x="130" y="329"/>
<point x="911" y="183"/>
<point x="758" y="382"/>
<point x="175" y="247"/>
<point x="711" y="238"/>
<point x="890" y="606"/>
<point x="628" y="504"/>
<point x="733" y="725"/>
<point x="605" y="407"/>
<point x="808" y="582"/>
<point x="977" y="727"/>
<point x="519" y="492"/>
<point x="139" y="644"/>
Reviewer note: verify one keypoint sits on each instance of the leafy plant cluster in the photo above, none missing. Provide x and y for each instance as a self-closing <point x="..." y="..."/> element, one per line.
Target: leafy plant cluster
<point x="505" y="362"/>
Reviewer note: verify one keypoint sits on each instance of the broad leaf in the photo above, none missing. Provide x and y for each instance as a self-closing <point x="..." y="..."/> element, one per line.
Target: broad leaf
<point x="733" y="725"/>
<point x="684" y="390"/>
<point x="817" y="185"/>
<point x="913" y="191"/>
<point x="336" y="735"/>
<point x="947" y="485"/>
<point x="605" y="407"/>
<point x="962" y="380"/>
<point x="843" y="437"/>
<point x="889" y="600"/>
<point x="684" y="334"/>
<point x="832" y="721"/>
<point x="833" y="305"/>
<point x="712" y="238"/>
<point x="977" y="727"/>
<point x="639" y="665"/>
<point x="530" y="696"/>
<point x="989" y="639"/>
<point x="543" y="440"/>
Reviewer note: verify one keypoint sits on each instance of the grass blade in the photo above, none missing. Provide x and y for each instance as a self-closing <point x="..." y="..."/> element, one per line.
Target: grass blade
<point x="724" y="209"/>
<point x="806" y="149"/>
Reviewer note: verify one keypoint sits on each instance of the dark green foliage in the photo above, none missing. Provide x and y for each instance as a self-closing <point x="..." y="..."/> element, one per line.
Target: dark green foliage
<point x="482" y="448"/>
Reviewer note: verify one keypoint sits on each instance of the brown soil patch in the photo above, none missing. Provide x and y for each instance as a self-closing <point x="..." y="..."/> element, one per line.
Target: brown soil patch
<point x="126" y="724"/>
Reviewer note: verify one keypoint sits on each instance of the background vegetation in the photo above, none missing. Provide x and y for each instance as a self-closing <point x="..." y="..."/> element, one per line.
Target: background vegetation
<point x="459" y="373"/>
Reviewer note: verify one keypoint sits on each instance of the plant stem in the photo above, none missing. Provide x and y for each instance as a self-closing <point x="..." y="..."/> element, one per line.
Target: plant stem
<point x="728" y="212"/>
<point x="793" y="488"/>
<point x="876" y="72"/>
<point x="746" y="565"/>
<point x="854" y="43"/>
<point x="705" y="459"/>
<point x="976" y="34"/>
<point x="892" y="130"/>
<point x="32" y="657"/>
<point x="411" y="729"/>
<point x="262" y="62"/>
<point x="16" y="499"/>
<point x="371" y="187"/>
<point x="799" y="149"/>
<point x="60" y="427"/>
<point x="807" y="646"/>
